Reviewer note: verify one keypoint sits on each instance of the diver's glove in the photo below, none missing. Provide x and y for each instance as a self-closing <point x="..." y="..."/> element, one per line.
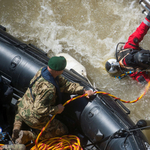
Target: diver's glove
<point x="148" y="16"/>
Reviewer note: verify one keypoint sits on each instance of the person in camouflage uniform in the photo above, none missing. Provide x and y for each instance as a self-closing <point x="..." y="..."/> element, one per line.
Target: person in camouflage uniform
<point x="42" y="99"/>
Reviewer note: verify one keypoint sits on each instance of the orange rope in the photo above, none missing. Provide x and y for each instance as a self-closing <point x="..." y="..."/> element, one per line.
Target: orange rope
<point x="98" y="92"/>
<point x="66" y="142"/>
<point x="124" y="101"/>
<point x="43" y="129"/>
<point x="1" y="145"/>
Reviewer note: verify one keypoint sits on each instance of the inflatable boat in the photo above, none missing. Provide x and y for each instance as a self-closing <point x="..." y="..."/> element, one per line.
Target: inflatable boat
<point x="101" y="123"/>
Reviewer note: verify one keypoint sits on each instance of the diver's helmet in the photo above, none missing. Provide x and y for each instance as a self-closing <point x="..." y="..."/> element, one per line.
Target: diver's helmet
<point x="112" y="66"/>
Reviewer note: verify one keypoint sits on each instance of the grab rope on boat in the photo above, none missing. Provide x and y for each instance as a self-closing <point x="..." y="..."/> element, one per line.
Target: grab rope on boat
<point x="71" y="142"/>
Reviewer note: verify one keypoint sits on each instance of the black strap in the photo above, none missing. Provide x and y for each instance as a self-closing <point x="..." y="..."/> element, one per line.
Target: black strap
<point x="139" y="48"/>
<point x="30" y="86"/>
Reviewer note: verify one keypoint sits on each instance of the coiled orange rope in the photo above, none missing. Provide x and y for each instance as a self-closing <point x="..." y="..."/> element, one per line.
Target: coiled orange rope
<point x="75" y="146"/>
<point x="1" y="145"/>
<point x="65" y="142"/>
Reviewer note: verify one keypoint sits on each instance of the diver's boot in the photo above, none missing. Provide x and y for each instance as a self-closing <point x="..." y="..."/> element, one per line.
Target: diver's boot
<point x="24" y="137"/>
<point x="16" y="129"/>
<point x="14" y="147"/>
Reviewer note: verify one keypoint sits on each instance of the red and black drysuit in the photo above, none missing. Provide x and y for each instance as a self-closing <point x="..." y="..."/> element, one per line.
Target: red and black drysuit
<point x="131" y="47"/>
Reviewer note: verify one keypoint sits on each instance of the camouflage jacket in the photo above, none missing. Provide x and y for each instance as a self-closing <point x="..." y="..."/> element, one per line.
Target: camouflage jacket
<point x="33" y="110"/>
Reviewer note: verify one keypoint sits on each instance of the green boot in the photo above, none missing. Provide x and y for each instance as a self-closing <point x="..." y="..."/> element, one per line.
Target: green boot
<point x="14" y="147"/>
<point x="24" y="137"/>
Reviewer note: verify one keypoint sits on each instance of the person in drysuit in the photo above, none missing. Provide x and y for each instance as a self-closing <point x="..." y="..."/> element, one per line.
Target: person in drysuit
<point x="132" y="58"/>
<point x="42" y="99"/>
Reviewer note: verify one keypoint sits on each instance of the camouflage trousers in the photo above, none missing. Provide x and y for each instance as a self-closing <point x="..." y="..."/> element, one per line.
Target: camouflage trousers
<point x="54" y="129"/>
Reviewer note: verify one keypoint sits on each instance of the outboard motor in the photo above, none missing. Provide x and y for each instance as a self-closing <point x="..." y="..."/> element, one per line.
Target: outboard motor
<point x="101" y="123"/>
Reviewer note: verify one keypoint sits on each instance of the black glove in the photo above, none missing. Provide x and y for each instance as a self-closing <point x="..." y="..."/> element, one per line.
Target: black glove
<point x="148" y="16"/>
